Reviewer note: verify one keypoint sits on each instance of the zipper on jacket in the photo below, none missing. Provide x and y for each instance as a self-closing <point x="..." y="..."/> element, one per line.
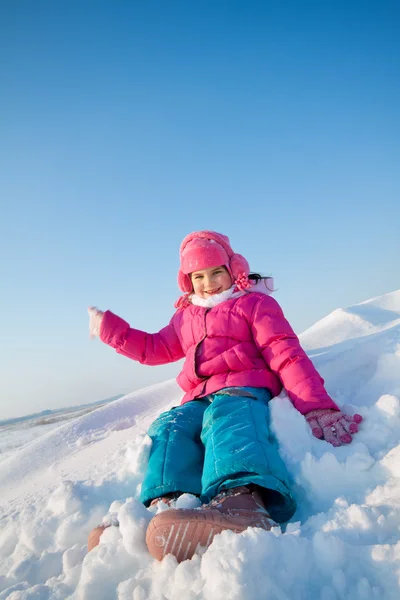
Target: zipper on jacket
<point x="195" y="351"/>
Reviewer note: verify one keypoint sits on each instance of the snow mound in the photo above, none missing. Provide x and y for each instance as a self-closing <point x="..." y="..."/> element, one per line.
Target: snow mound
<point x="354" y="322"/>
<point x="357" y="350"/>
<point x="343" y="542"/>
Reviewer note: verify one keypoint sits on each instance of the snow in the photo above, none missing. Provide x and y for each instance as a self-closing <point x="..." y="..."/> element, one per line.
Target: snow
<point x="343" y="542"/>
<point x="18" y="432"/>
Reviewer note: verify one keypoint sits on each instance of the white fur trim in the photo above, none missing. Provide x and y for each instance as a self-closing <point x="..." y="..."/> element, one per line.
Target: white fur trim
<point x="264" y="286"/>
<point x="211" y="301"/>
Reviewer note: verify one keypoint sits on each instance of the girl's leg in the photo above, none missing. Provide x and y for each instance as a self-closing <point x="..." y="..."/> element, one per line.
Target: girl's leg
<point x="243" y="474"/>
<point x="240" y="450"/>
<point x="177" y="453"/>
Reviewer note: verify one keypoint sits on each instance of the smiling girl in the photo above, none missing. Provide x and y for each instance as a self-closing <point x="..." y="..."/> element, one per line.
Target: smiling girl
<point x="240" y="352"/>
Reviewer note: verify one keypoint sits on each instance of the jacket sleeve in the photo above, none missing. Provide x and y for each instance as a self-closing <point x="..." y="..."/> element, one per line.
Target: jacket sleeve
<point x="281" y="350"/>
<point x="147" y="348"/>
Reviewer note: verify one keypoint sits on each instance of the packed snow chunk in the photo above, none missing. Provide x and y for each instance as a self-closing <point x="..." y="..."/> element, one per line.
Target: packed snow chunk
<point x="8" y="538"/>
<point x="165" y="580"/>
<point x="137" y="454"/>
<point x="10" y="592"/>
<point x="327" y="477"/>
<point x="37" y="592"/>
<point x="359" y="462"/>
<point x="72" y="529"/>
<point x="357" y="524"/>
<point x="392" y="461"/>
<point x="66" y="499"/>
<point x="72" y="557"/>
<point x="183" y="501"/>
<point x="34" y="569"/>
<point x="390" y="405"/>
<point x="291" y="430"/>
<point x="339" y="582"/>
<point x="255" y="562"/>
<point x="110" y="535"/>
<point x="133" y="520"/>
<point x="102" y="570"/>
<point x="73" y="508"/>
<point x="187" y="501"/>
<point x="83" y="441"/>
<point x="329" y="552"/>
<point x="387" y="495"/>
<point x="132" y="590"/>
<point x="79" y="498"/>
<point x="35" y="530"/>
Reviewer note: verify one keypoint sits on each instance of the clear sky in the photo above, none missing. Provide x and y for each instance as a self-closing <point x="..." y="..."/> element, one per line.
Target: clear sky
<point x="126" y="125"/>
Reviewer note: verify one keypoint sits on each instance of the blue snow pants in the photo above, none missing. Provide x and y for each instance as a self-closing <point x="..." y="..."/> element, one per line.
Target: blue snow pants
<point x="215" y="443"/>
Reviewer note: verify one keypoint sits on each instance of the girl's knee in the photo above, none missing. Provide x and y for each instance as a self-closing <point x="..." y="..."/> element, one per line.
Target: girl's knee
<point x="186" y="419"/>
<point x="162" y="422"/>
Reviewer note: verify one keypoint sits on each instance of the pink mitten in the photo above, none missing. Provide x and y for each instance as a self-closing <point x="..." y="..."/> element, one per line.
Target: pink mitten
<point x="332" y="425"/>
<point x="95" y="319"/>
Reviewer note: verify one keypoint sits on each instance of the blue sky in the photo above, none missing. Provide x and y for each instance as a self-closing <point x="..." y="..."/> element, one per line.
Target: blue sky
<point x="126" y="125"/>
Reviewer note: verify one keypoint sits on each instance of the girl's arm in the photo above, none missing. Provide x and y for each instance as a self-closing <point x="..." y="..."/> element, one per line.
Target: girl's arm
<point x="283" y="354"/>
<point x="147" y="348"/>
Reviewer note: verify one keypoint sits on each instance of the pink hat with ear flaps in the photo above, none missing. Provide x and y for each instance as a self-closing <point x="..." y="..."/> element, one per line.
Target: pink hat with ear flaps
<point x="204" y="249"/>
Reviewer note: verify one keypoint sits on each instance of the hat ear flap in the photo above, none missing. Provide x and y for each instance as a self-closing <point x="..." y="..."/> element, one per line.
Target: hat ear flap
<point x="239" y="265"/>
<point x="184" y="282"/>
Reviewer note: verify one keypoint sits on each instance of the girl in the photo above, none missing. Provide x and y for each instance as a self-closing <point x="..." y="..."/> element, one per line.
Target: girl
<point x="240" y="351"/>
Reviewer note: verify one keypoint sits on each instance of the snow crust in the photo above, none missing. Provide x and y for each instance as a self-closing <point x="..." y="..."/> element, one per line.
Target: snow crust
<point x="343" y="542"/>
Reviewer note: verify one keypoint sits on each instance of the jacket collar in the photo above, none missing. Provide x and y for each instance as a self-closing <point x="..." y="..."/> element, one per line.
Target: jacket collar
<point x="211" y="301"/>
<point x="264" y="286"/>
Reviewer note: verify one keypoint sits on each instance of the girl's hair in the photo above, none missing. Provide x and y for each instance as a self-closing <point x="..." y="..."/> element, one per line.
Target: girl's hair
<point x="253" y="276"/>
<point x="258" y="277"/>
<point x="268" y="280"/>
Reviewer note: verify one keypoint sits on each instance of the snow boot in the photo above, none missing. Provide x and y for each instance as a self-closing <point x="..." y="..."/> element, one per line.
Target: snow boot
<point x="96" y="533"/>
<point x="180" y="531"/>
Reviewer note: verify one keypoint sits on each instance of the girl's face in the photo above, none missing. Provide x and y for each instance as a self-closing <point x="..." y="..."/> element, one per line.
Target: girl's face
<point x="211" y="281"/>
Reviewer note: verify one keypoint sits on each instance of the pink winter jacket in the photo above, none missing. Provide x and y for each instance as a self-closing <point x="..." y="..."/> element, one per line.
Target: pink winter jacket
<point x="243" y="341"/>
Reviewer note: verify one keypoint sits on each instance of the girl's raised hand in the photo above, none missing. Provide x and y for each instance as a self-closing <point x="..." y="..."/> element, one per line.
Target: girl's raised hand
<point x="333" y="426"/>
<point x="95" y="319"/>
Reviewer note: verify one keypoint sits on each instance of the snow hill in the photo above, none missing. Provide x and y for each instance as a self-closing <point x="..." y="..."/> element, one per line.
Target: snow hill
<point x="50" y="415"/>
<point x="18" y="432"/>
<point x="343" y="542"/>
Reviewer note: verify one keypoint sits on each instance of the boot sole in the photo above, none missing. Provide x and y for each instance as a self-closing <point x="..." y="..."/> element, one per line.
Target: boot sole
<point x="180" y="533"/>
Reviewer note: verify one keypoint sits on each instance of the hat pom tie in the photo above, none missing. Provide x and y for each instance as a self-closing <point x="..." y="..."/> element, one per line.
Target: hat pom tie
<point x="183" y="301"/>
<point x="242" y="282"/>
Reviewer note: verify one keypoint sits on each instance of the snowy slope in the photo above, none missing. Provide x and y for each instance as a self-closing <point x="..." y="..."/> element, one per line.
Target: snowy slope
<point x="18" y="432"/>
<point x="343" y="542"/>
